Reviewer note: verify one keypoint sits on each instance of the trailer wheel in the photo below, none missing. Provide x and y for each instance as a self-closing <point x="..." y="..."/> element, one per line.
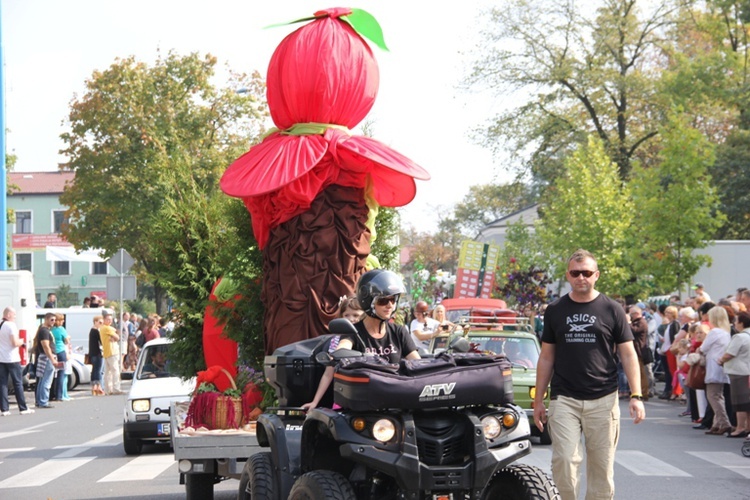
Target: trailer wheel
<point x="257" y="479"/>
<point x="518" y="482"/>
<point x="199" y="486"/>
<point x="322" y="484"/>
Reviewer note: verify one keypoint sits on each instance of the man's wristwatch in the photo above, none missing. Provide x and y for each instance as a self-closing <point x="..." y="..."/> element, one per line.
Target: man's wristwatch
<point x="639" y="397"/>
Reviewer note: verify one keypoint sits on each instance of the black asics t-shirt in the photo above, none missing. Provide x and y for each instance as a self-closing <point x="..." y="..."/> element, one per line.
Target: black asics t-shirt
<point x="585" y="336"/>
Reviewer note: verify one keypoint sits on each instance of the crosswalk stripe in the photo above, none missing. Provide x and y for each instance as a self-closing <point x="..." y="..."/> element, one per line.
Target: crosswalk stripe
<point x="45" y="472"/>
<point x="143" y="468"/>
<point x="726" y="459"/>
<point x="644" y="464"/>
<point x="27" y="430"/>
<point x="637" y="462"/>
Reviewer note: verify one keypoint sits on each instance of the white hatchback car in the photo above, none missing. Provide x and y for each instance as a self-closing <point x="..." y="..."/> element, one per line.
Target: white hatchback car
<point x="152" y="391"/>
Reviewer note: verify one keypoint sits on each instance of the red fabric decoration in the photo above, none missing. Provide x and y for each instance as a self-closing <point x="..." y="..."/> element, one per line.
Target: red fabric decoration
<point x="217" y="349"/>
<point x="322" y="73"/>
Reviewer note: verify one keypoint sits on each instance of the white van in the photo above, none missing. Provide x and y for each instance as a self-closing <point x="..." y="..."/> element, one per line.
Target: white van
<point x="18" y="291"/>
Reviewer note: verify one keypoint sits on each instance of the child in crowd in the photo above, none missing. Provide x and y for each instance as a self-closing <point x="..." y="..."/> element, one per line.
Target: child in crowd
<point x="680" y="374"/>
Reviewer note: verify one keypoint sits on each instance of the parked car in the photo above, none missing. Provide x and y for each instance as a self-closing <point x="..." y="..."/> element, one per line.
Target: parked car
<point x="514" y="339"/>
<point x="154" y="388"/>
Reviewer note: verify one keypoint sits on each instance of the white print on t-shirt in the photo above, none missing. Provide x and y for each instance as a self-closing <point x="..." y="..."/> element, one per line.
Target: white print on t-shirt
<point x="380" y="350"/>
<point x="579" y="324"/>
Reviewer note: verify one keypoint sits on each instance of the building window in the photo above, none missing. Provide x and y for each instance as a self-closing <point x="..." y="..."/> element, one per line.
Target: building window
<point x="99" y="268"/>
<point x="61" y="268"/>
<point x="23" y="221"/>
<point x="23" y="262"/>
<point x="59" y="221"/>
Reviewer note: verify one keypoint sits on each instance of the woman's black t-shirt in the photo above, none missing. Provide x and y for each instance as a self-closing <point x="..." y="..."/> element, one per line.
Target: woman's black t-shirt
<point x="585" y="336"/>
<point x="395" y="344"/>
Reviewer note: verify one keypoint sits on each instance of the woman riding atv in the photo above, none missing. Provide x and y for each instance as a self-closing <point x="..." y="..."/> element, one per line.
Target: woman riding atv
<point x="378" y="292"/>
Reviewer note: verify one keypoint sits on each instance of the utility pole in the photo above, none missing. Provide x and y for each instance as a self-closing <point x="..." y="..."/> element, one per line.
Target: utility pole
<point x="3" y="174"/>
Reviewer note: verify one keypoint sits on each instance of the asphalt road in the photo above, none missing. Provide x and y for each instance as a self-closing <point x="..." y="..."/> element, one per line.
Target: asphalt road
<point x="74" y="451"/>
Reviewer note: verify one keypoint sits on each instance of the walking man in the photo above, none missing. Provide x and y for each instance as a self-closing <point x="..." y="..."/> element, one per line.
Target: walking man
<point x="10" y="364"/>
<point x="582" y="330"/>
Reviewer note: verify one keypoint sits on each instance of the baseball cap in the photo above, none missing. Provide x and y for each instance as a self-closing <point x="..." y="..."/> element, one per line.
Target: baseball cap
<point x="698" y="285"/>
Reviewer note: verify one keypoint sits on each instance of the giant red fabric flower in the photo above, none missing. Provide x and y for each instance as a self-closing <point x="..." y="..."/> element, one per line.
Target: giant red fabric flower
<point x="322" y="80"/>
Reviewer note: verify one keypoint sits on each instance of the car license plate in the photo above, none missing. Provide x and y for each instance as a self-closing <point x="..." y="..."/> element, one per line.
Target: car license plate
<point x="163" y="429"/>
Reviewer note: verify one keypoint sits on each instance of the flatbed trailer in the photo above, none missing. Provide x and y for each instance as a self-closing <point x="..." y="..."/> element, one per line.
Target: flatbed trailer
<point x="205" y="459"/>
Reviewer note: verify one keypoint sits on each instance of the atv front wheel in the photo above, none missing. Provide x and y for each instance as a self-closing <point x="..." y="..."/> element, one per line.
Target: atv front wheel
<point x="519" y="482"/>
<point x="257" y="480"/>
<point x="322" y="484"/>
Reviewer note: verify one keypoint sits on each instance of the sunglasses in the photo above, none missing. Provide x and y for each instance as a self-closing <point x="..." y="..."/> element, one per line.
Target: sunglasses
<point x="381" y="301"/>
<point x="586" y="274"/>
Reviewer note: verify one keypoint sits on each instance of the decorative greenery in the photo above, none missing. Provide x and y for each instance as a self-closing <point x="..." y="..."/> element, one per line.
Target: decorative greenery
<point x="524" y="286"/>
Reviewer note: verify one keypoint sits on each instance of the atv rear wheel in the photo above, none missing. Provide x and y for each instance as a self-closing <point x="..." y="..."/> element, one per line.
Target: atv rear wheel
<point x="519" y="482"/>
<point x="322" y="484"/>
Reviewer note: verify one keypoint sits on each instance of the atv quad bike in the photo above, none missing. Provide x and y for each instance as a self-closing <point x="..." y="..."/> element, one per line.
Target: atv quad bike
<point x="436" y="428"/>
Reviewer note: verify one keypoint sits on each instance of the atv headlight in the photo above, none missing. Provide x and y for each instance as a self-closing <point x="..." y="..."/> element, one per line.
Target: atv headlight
<point x="491" y="427"/>
<point x="383" y="430"/>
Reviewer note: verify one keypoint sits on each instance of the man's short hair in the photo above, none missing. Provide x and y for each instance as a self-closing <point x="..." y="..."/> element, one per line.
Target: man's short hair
<point x="106" y="314"/>
<point x="50" y="315"/>
<point x="580" y="255"/>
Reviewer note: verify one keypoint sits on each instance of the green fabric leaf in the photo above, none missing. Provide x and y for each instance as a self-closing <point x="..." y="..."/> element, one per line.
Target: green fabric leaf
<point x="360" y="20"/>
<point x="287" y="23"/>
<point x="366" y="25"/>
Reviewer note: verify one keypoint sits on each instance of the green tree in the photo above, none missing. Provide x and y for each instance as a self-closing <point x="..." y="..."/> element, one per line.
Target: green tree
<point x="589" y="207"/>
<point x="731" y="177"/>
<point x="575" y="72"/>
<point x="709" y="79"/>
<point x="385" y="247"/>
<point x="677" y="211"/>
<point x="207" y="236"/>
<point x="131" y="129"/>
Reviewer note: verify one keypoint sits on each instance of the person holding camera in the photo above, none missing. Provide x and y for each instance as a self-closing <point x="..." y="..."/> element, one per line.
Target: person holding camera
<point x="423" y="328"/>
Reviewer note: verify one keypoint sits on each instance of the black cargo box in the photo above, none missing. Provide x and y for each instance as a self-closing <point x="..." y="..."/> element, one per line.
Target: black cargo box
<point x="294" y="374"/>
<point x="460" y="380"/>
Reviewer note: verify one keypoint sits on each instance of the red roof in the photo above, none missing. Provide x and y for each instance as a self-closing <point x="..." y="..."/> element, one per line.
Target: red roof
<point x="39" y="182"/>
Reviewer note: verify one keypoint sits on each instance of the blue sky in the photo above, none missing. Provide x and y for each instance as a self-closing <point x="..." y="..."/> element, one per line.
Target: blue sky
<point x="51" y="47"/>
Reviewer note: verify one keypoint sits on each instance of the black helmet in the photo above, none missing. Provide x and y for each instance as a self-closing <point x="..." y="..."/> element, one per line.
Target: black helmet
<point x="378" y="283"/>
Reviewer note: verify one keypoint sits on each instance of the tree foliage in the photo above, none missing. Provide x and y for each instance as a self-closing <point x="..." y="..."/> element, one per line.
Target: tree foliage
<point x="578" y="72"/>
<point x="131" y="129"/>
<point x="589" y="207"/>
<point x="148" y="145"/>
<point x="677" y="211"/>
<point x="385" y="247"/>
